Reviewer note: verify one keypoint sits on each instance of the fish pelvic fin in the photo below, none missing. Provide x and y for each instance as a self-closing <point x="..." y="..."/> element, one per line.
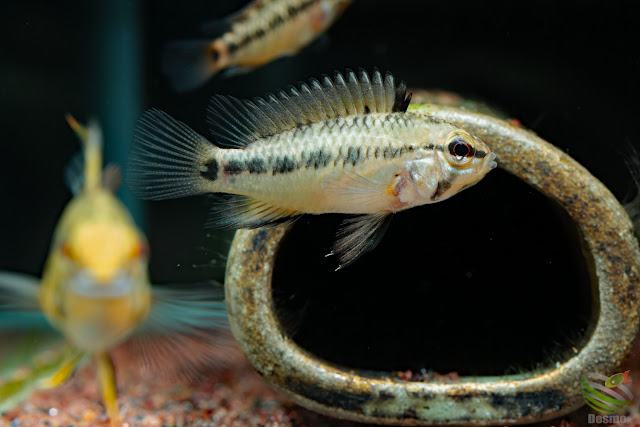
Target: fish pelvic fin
<point x="168" y="159"/>
<point x="359" y="235"/>
<point x="237" y="123"/>
<point x="64" y="371"/>
<point x="190" y="63"/>
<point x="107" y="381"/>
<point x="238" y="211"/>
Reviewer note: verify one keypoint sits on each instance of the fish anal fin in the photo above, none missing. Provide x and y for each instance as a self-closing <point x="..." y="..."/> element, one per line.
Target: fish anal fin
<point x="236" y="123"/>
<point x="359" y="235"/>
<point x="239" y="211"/>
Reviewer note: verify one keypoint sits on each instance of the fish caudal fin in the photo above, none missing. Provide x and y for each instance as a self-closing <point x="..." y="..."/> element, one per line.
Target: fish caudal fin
<point x="169" y="159"/>
<point x="190" y="63"/>
<point x="359" y="235"/>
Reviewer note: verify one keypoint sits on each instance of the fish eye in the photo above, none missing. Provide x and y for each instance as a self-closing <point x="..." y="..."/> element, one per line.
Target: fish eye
<point x="141" y="250"/>
<point x="66" y="250"/>
<point x="460" y="149"/>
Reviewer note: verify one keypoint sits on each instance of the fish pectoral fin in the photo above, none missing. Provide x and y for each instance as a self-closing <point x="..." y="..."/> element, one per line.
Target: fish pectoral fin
<point x="359" y="235"/>
<point x="107" y="380"/>
<point x="238" y="211"/>
<point x="357" y="190"/>
<point x="185" y="308"/>
<point x="19" y="291"/>
<point x="186" y="333"/>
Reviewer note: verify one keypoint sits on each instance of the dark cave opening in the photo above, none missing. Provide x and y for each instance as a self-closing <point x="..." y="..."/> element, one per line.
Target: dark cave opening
<point x="492" y="281"/>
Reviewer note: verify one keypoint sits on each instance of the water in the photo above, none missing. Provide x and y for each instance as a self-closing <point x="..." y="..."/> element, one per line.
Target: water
<point x="569" y="72"/>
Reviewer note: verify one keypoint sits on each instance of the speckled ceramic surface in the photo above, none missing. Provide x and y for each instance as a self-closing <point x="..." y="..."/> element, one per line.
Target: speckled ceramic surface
<point x="612" y="252"/>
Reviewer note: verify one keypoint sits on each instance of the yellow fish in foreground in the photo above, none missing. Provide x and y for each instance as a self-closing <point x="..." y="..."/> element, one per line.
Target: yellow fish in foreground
<point x="259" y="33"/>
<point x="345" y="144"/>
<point x="95" y="288"/>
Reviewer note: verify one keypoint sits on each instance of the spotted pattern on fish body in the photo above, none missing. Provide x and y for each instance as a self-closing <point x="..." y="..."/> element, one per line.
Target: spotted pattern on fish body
<point x="335" y="145"/>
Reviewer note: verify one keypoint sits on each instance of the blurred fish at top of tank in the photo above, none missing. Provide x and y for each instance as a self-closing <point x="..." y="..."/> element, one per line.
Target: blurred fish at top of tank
<point x="261" y="32"/>
<point x="95" y="288"/>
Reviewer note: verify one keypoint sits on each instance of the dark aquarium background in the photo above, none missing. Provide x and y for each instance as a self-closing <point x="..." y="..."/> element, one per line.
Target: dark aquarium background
<point x="567" y="70"/>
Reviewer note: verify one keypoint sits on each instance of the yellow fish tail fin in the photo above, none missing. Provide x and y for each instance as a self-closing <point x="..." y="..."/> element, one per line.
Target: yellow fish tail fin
<point x="91" y="138"/>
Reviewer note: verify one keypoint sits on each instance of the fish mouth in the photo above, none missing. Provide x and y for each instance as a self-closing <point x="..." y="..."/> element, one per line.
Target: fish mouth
<point x="85" y="285"/>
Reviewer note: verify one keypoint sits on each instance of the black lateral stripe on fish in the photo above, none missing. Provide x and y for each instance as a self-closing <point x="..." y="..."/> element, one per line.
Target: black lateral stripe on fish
<point x="314" y="158"/>
<point x="344" y="145"/>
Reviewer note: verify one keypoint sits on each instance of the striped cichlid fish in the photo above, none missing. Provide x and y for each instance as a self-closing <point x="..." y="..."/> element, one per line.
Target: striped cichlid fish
<point x="345" y="144"/>
<point x="261" y="32"/>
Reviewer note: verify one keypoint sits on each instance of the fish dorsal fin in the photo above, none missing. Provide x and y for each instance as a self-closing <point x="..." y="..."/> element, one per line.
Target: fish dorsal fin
<point x="91" y="137"/>
<point x="237" y="123"/>
<point x="217" y="27"/>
